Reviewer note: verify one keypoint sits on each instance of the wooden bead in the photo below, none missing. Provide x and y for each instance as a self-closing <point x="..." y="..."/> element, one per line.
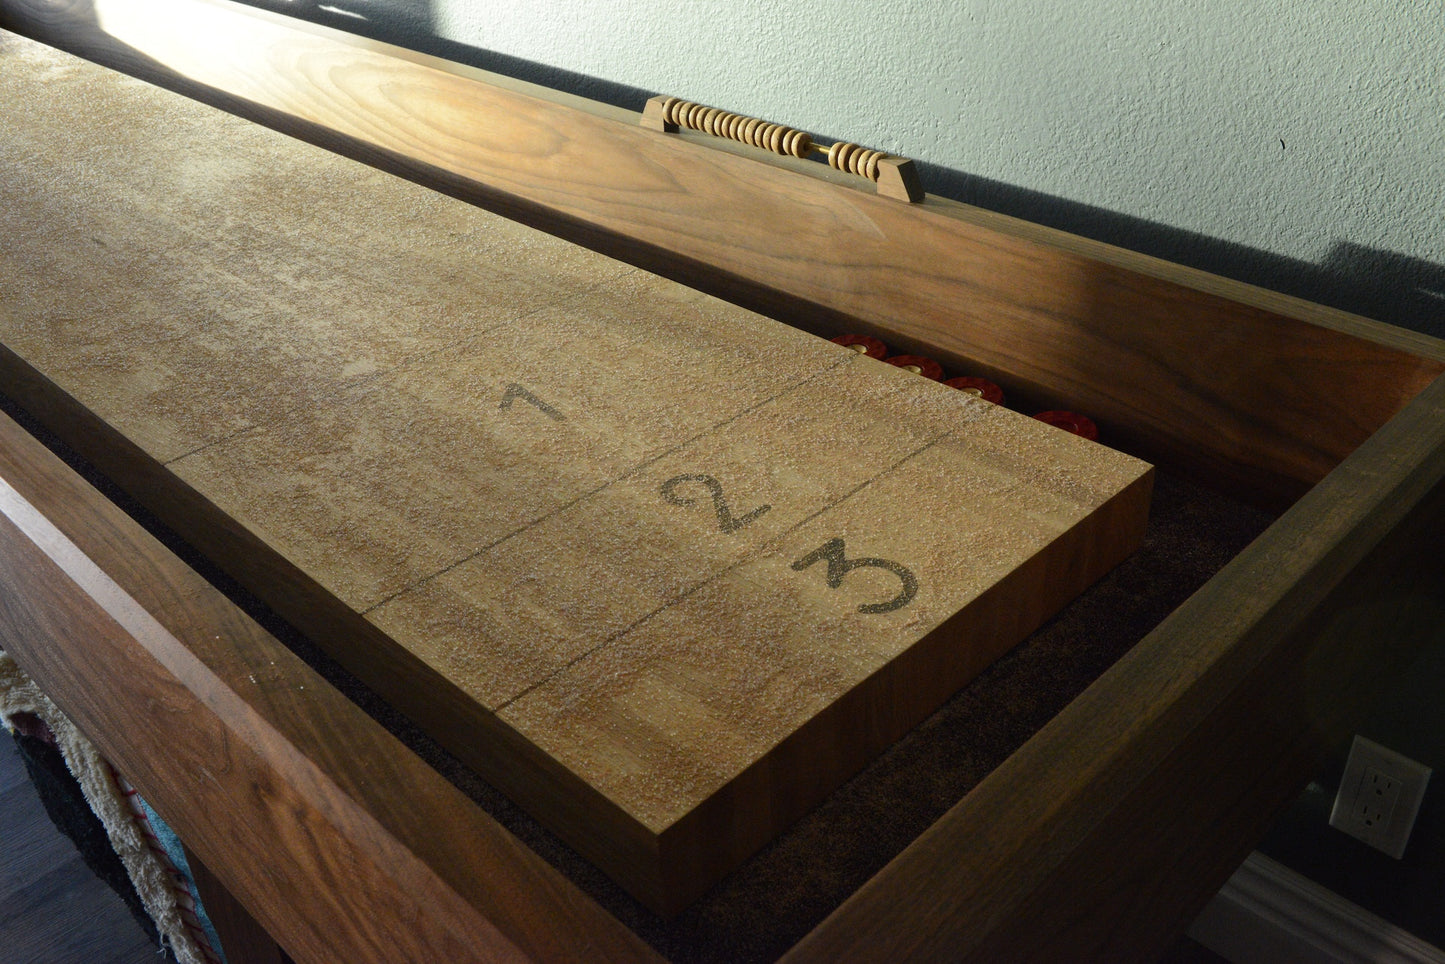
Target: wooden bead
<point x="854" y="159"/>
<point x="870" y="164"/>
<point x="750" y="131"/>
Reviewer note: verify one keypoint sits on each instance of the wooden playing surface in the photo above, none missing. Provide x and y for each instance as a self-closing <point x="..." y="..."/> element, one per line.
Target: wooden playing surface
<point x="689" y="561"/>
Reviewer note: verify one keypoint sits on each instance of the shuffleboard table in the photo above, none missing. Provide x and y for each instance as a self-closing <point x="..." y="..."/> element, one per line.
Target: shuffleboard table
<point x="753" y="485"/>
<point x="624" y="548"/>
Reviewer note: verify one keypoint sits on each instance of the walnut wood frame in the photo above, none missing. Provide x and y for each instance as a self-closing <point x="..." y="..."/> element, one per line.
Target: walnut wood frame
<point x="1101" y="837"/>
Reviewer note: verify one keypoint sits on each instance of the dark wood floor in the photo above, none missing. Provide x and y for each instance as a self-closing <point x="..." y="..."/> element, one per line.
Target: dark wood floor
<point x="53" y="910"/>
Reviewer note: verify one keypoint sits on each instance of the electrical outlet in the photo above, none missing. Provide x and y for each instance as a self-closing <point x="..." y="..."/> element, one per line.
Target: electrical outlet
<point x="1379" y="796"/>
<point x="1375" y="799"/>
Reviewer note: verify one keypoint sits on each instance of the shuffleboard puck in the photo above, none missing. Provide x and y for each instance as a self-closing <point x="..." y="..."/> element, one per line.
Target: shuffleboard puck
<point x="1080" y="425"/>
<point x="981" y="387"/>
<point x="863" y="345"/>
<point x="918" y="365"/>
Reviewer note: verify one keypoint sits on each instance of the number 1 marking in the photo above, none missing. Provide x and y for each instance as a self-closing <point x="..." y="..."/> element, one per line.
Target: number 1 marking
<point x="840" y="565"/>
<point x="515" y="391"/>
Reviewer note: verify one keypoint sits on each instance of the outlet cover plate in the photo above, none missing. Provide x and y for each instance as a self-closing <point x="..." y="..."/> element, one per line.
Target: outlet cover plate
<point x="1379" y="796"/>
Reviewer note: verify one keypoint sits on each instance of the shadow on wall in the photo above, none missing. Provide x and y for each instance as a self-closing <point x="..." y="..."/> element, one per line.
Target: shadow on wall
<point x="411" y="23"/>
<point x="1379" y="284"/>
<point x="1392" y="287"/>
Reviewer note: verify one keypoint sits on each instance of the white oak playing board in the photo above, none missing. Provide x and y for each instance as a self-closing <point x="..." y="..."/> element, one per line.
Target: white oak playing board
<point x="673" y="569"/>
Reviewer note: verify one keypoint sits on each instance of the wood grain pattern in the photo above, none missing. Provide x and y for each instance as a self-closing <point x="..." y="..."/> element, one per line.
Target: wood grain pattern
<point x="243" y="941"/>
<point x="1154" y="352"/>
<point x="651" y="536"/>
<point x="245" y="751"/>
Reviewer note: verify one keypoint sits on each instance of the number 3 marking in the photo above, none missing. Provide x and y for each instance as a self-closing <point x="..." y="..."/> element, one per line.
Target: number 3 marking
<point x="725" y="519"/>
<point x="839" y="566"/>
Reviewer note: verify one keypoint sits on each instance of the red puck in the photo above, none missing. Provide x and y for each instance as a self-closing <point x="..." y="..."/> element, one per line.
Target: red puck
<point x="1080" y="425"/>
<point x="918" y="365"/>
<point x="981" y="387"/>
<point x="863" y="345"/>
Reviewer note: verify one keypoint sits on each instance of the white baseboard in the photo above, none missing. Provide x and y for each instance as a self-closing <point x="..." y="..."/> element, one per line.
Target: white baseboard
<point x="1268" y="914"/>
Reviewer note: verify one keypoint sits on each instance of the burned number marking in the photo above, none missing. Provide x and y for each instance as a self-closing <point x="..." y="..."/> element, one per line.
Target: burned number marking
<point x="515" y="391"/>
<point x="726" y="521"/>
<point x="839" y="565"/>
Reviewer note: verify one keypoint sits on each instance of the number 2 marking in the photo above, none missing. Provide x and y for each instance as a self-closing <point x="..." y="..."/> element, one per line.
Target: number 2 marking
<point x="840" y="565"/>
<point x="725" y="519"/>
